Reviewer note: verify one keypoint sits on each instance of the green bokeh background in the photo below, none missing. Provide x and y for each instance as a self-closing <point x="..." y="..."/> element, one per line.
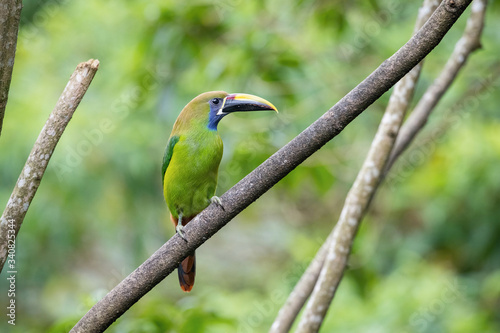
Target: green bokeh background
<point x="427" y="257"/>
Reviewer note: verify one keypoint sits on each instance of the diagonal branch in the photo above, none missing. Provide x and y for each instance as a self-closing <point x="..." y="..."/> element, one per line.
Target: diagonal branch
<point x="35" y="166"/>
<point x="357" y="201"/>
<point x="10" y="14"/>
<point x="208" y="222"/>
<point x="468" y="43"/>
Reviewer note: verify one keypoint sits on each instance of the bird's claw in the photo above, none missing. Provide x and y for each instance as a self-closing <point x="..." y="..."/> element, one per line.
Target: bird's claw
<point x="216" y="200"/>
<point x="180" y="230"/>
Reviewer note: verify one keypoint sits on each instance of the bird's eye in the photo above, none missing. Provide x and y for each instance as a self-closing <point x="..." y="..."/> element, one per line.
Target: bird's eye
<point x="215" y="101"/>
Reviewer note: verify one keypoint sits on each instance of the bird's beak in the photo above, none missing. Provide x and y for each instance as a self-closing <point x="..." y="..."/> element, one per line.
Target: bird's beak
<point x="244" y="102"/>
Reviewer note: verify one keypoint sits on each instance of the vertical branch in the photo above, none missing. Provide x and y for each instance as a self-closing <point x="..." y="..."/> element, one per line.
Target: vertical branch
<point x="10" y="14"/>
<point x="468" y="43"/>
<point x="363" y="189"/>
<point x="35" y="166"/>
<point x="301" y="292"/>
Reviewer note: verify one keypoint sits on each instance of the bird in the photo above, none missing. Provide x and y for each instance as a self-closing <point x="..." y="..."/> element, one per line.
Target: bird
<point x="191" y="161"/>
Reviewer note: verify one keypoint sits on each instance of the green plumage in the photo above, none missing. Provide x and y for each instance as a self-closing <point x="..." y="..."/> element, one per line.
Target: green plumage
<point x="192" y="159"/>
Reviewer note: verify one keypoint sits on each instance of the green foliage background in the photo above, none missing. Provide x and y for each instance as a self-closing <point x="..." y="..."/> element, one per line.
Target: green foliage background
<point x="427" y="256"/>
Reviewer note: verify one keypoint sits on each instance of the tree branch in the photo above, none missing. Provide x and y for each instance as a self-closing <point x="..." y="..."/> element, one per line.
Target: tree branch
<point x="356" y="203"/>
<point x="303" y="289"/>
<point x="208" y="222"/>
<point x="468" y="43"/>
<point x="10" y="14"/>
<point x="35" y="166"/>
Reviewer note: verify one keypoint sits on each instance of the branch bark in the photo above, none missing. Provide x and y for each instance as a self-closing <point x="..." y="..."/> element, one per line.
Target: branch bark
<point x="10" y="15"/>
<point x="35" y="166"/>
<point x="356" y="203"/>
<point x="468" y="43"/>
<point x="208" y="222"/>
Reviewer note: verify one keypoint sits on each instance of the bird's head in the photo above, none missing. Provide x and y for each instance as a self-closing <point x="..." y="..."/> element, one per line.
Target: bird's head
<point x="217" y="104"/>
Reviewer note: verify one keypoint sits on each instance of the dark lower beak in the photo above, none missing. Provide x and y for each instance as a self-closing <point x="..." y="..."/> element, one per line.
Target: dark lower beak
<point x="245" y="102"/>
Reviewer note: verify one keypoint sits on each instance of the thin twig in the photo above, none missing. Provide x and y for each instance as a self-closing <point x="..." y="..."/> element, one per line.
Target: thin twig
<point x="240" y="196"/>
<point x="468" y="43"/>
<point x="35" y="166"/>
<point x="357" y="201"/>
<point x="454" y="115"/>
<point x="10" y="14"/>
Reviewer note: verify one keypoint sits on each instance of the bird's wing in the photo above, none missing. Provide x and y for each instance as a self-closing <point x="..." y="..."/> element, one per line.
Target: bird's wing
<point x="168" y="154"/>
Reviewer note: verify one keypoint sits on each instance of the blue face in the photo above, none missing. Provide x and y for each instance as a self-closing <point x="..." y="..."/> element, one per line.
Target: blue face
<point x="213" y="118"/>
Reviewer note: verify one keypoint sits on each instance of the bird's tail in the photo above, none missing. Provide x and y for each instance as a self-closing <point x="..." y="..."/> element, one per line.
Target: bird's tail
<point x="187" y="268"/>
<point x="187" y="271"/>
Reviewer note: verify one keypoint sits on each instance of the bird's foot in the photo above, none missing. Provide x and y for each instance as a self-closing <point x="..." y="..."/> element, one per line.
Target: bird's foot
<point x="216" y="200"/>
<point x="180" y="230"/>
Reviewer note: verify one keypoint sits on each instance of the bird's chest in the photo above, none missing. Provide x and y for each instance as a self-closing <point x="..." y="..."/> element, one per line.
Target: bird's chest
<point x="195" y="161"/>
<point x="201" y="154"/>
<point x="191" y="177"/>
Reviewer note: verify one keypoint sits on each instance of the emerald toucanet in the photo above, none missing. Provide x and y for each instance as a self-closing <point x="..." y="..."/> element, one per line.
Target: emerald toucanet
<point x="192" y="158"/>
